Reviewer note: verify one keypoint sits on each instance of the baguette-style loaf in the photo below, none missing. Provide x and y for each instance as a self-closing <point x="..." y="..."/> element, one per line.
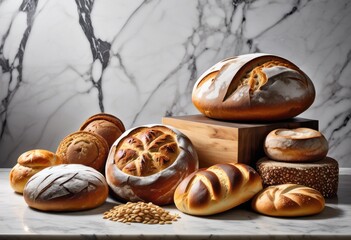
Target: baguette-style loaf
<point x="253" y="87"/>
<point x="66" y="187"/>
<point x="28" y="164"/>
<point x="217" y="189"/>
<point x="296" y="145"/>
<point x="288" y="200"/>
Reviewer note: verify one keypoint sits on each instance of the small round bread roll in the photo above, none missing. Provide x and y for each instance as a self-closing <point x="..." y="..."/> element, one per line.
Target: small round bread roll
<point x="66" y="187"/>
<point x="148" y="162"/>
<point x="217" y="189"/>
<point x="106" y="125"/>
<point x="85" y="148"/>
<point x="288" y="200"/>
<point x="28" y="164"/>
<point x="296" y="145"/>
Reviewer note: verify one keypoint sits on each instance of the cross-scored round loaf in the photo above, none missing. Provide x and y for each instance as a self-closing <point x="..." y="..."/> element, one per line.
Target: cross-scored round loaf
<point x="296" y="145"/>
<point x="217" y="189"/>
<point x="66" y="187"/>
<point x="288" y="200"/>
<point x="146" y="163"/>
<point x="253" y="87"/>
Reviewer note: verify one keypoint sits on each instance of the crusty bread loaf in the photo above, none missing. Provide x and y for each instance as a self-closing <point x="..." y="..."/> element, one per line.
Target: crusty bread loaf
<point x="85" y="148"/>
<point x="321" y="175"/>
<point x="296" y="145"/>
<point x="148" y="162"/>
<point x="66" y="187"/>
<point x="28" y="164"/>
<point x="288" y="200"/>
<point x="253" y="87"/>
<point x="217" y="189"/>
<point x="106" y="125"/>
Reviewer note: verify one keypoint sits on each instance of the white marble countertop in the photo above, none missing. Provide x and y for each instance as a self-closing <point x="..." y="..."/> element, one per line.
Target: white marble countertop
<point x="18" y="221"/>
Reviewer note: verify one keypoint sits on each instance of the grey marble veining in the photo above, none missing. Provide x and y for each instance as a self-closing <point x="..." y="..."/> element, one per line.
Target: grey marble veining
<point x="62" y="61"/>
<point x="18" y="221"/>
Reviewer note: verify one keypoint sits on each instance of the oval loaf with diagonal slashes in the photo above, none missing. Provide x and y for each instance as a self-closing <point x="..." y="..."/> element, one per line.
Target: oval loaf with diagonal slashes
<point x="288" y="200"/>
<point x="217" y="189"/>
<point x="66" y="187"/>
<point x="253" y="87"/>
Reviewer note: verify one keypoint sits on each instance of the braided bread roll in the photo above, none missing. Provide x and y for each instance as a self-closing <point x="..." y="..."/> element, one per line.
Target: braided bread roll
<point x="288" y="200"/>
<point x="217" y="189"/>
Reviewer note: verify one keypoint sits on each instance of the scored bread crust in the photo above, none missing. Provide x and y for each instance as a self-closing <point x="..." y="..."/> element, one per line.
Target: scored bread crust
<point x="296" y="145"/>
<point x="66" y="187"/>
<point x="82" y="147"/>
<point x="106" y="125"/>
<point x="28" y="164"/>
<point x="217" y="189"/>
<point x="253" y="87"/>
<point x="288" y="200"/>
<point x="147" y="162"/>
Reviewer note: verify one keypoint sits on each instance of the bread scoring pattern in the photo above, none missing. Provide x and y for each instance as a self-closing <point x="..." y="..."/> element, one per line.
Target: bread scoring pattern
<point x="217" y="189"/>
<point x="147" y="151"/>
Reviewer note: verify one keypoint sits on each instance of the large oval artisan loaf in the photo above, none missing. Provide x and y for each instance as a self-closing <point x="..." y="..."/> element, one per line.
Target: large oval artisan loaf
<point x="66" y="187"/>
<point x="146" y="163"/>
<point x="296" y="145"/>
<point x="253" y="87"/>
<point x="288" y="200"/>
<point x="217" y="189"/>
<point x="321" y="175"/>
<point x="28" y="164"/>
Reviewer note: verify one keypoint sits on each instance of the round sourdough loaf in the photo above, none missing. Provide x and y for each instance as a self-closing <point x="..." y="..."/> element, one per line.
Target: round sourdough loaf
<point x="253" y="87"/>
<point x="288" y="200"/>
<point x="106" y="125"/>
<point x="85" y="148"/>
<point x="146" y="163"/>
<point x="296" y="145"/>
<point x="28" y="164"/>
<point x="322" y="175"/>
<point x="217" y="189"/>
<point x="66" y="187"/>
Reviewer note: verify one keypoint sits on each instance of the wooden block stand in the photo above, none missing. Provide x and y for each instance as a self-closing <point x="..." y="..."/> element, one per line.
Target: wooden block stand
<point x="224" y="142"/>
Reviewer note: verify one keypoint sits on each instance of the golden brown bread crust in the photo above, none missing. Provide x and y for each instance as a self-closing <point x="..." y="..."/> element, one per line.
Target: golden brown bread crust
<point x="147" y="163"/>
<point x="66" y="187"/>
<point x="322" y="175"/>
<point x="296" y="145"/>
<point x="106" y="125"/>
<point x="85" y="148"/>
<point x="253" y="87"/>
<point x="28" y="164"/>
<point x="217" y="189"/>
<point x="288" y="200"/>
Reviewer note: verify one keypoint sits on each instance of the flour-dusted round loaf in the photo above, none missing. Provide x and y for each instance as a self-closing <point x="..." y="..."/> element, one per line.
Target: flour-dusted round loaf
<point x="146" y="163"/>
<point x="106" y="125"/>
<point x="66" y="187"/>
<point x="322" y="175"/>
<point x="296" y="145"/>
<point x="253" y="87"/>
<point x="288" y="200"/>
<point x="217" y="189"/>
<point x="83" y="147"/>
<point x="28" y="164"/>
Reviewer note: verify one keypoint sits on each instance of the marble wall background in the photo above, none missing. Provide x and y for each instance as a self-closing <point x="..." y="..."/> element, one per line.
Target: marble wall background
<point x="62" y="61"/>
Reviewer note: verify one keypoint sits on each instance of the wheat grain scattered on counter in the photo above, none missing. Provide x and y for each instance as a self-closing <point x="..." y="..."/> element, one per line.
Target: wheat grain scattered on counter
<point x="140" y="212"/>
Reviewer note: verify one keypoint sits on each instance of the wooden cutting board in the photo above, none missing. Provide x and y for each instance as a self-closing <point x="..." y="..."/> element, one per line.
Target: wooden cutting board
<point x="224" y="142"/>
